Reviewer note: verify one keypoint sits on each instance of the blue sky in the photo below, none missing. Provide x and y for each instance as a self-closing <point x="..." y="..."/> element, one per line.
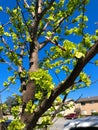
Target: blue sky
<point x="91" y="69"/>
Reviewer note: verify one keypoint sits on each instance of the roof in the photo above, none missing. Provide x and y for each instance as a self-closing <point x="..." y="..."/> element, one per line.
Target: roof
<point x="88" y="99"/>
<point x="68" y="100"/>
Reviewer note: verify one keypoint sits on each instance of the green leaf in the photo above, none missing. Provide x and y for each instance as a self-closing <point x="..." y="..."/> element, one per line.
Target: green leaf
<point x="84" y="78"/>
<point x="85" y="18"/>
<point x="55" y="38"/>
<point x="68" y="45"/>
<point x="58" y="30"/>
<point x="14" y="36"/>
<point x="15" y="111"/>
<point x="11" y="79"/>
<point x="30" y="107"/>
<point x="1" y="9"/>
<point x="94" y="37"/>
<point x="96" y="62"/>
<point x="39" y="95"/>
<point x="68" y="32"/>
<point x="49" y="34"/>
<point x="5" y="84"/>
<point x="7" y="34"/>
<point x="1" y="30"/>
<point x="97" y="32"/>
<point x="51" y="18"/>
<point x="23" y="74"/>
<point x="79" y="54"/>
<point x="43" y="82"/>
<point x="57" y="71"/>
<point x="46" y="120"/>
<point x="65" y="68"/>
<point x="15" y="11"/>
<point x="32" y="8"/>
<point x="28" y="39"/>
<point x="1" y="48"/>
<point x="16" y="124"/>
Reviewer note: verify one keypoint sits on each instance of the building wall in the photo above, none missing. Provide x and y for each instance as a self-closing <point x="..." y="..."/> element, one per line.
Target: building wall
<point x="87" y="108"/>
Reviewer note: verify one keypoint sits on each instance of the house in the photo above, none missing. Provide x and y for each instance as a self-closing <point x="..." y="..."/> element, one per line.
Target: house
<point x="87" y="105"/>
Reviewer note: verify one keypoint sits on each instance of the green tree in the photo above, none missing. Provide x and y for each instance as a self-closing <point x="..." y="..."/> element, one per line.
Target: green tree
<point x="35" y="26"/>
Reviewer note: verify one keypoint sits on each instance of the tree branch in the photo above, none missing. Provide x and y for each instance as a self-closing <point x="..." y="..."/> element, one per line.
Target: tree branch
<point x="40" y="6"/>
<point x="55" y="43"/>
<point x="26" y="4"/>
<point x="43" y="29"/>
<point x="9" y="22"/>
<point x="5" y="88"/>
<point x="43" y="44"/>
<point x="28" y="7"/>
<point x="60" y="22"/>
<point x="46" y="104"/>
<point x="47" y="8"/>
<point x="78" y="68"/>
<point x="9" y="64"/>
<point x="20" y="68"/>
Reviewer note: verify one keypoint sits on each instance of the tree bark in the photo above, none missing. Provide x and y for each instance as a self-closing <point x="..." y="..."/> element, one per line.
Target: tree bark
<point x="30" y="88"/>
<point x="1" y="117"/>
<point x="2" y="126"/>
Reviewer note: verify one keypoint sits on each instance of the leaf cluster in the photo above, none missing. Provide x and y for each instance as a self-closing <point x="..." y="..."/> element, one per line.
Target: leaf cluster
<point x="43" y="83"/>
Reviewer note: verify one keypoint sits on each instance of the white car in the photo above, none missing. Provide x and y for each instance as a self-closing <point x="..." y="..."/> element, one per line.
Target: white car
<point x="90" y="121"/>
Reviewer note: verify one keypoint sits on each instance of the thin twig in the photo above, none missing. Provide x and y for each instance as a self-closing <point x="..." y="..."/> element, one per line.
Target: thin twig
<point x="7" y="86"/>
<point x="55" y="43"/>
<point x="9" y="22"/>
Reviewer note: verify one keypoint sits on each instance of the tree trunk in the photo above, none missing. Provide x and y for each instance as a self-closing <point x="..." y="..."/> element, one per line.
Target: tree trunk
<point x="2" y="126"/>
<point x="45" y="128"/>
<point x="1" y="117"/>
<point x="29" y="91"/>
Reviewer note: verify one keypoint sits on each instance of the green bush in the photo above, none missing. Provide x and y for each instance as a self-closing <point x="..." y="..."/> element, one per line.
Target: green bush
<point x="95" y="113"/>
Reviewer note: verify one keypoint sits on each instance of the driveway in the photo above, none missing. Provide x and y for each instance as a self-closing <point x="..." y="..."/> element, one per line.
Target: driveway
<point x="58" y="124"/>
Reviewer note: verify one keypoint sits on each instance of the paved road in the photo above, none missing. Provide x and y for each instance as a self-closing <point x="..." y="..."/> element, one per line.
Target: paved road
<point x="58" y="124"/>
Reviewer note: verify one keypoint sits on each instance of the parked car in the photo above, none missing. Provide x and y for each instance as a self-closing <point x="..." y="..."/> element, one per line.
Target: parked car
<point x="90" y="122"/>
<point x="71" y="116"/>
<point x="7" y="122"/>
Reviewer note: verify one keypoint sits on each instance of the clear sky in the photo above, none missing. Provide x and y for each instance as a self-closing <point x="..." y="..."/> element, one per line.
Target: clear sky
<point x="91" y="69"/>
